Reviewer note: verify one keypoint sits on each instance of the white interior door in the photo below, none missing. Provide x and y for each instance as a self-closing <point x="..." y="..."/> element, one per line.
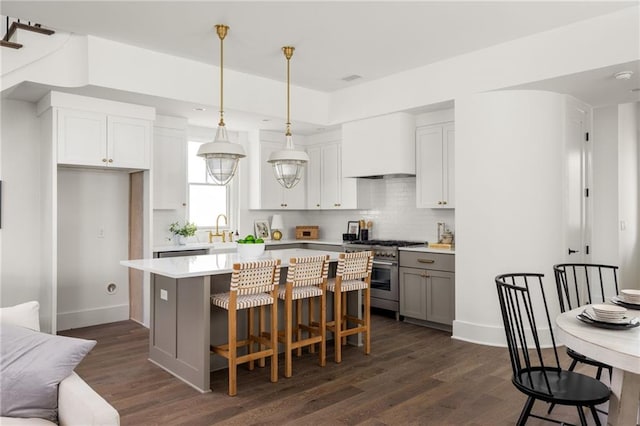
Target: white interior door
<point x="577" y="177"/>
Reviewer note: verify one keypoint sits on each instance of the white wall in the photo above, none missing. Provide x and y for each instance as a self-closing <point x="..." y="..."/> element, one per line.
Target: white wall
<point x="604" y="190"/>
<point x="91" y="203"/>
<point x="628" y="190"/>
<point x="509" y="216"/>
<point x="21" y="276"/>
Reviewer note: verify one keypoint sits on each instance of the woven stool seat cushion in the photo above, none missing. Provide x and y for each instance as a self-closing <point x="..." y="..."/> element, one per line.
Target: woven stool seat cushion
<point x="347" y="285"/>
<point x="247" y="301"/>
<point x="301" y="292"/>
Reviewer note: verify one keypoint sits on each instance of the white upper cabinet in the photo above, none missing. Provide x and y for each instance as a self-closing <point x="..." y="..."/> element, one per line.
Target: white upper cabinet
<point x="435" y="166"/>
<point x="266" y="192"/>
<point x="99" y="133"/>
<point x="377" y="146"/>
<point x="170" y="167"/>
<point x="82" y="138"/>
<point x="326" y="188"/>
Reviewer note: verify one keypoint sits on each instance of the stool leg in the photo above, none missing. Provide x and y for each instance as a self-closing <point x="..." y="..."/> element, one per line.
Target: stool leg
<point x="367" y="320"/>
<point x="261" y="323"/>
<point x="344" y="316"/>
<point x="297" y="327"/>
<point x="323" y="329"/>
<point x="274" y="337"/>
<point x="250" y="331"/>
<point x="233" y="348"/>
<point x="337" y="335"/>
<point x="288" y="334"/>
<point x="312" y="316"/>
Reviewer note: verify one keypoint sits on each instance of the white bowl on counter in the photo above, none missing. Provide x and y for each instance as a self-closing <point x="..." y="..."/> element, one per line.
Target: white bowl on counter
<point x="250" y="251"/>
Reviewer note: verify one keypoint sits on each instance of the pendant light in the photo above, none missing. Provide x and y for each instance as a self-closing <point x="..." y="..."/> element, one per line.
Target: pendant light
<point x="221" y="155"/>
<point x="288" y="164"/>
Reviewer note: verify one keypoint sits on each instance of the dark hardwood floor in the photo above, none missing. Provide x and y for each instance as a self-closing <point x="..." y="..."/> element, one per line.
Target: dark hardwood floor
<point x="414" y="375"/>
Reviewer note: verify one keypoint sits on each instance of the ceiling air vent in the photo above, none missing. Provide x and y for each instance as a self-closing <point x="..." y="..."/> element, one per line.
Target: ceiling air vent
<point x="351" y="77"/>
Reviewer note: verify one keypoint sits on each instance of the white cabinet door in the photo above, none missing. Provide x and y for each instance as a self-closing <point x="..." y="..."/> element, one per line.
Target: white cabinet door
<point x="435" y="166"/>
<point x="128" y="142"/>
<point x="314" y="178"/>
<point x="169" y="169"/>
<point x="82" y="138"/>
<point x="331" y="177"/>
<point x="272" y="195"/>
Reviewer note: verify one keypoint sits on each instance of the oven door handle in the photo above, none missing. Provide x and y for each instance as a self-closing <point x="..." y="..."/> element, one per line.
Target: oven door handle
<point x="378" y="262"/>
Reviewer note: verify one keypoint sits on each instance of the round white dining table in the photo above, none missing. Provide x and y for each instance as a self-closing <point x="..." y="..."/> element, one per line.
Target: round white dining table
<point x="618" y="348"/>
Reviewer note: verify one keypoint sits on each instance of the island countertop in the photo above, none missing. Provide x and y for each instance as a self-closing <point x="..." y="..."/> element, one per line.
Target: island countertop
<point x="214" y="264"/>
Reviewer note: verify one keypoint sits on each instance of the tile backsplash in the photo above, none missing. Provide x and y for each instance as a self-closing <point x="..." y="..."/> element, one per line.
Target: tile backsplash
<point x="394" y="216"/>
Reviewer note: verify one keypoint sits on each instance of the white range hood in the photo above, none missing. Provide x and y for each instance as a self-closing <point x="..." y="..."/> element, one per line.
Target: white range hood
<point x="379" y="146"/>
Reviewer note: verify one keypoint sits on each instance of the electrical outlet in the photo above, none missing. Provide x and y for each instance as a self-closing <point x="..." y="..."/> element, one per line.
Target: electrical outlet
<point x="623" y="225"/>
<point x="101" y="232"/>
<point x="164" y="295"/>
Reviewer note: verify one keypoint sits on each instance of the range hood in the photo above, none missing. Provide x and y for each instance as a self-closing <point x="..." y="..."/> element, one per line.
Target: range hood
<point x="379" y="147"/>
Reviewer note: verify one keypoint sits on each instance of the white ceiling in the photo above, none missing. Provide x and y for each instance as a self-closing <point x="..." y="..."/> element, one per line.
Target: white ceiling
<point x="333" y="39"/>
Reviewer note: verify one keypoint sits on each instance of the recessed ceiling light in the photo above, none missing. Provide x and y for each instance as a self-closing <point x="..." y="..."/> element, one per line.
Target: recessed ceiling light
<point x="199" y="109"/>
<point x="623" y="75"/>
<point x="351" y="77"/>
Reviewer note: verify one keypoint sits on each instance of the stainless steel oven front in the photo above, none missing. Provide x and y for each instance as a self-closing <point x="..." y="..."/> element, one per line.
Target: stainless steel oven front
<point x="384" y="285"/>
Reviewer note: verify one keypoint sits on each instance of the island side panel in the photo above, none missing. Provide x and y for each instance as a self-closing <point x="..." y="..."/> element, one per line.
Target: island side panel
<point x="179" y="340"/>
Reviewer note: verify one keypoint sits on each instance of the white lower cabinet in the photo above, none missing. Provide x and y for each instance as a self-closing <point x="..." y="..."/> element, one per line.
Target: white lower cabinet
<point x="435" y="166"/>
<point x="427" y="287"/>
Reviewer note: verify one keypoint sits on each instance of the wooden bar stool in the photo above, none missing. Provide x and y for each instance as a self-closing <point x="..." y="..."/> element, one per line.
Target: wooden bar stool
<point x="353" y="273"/>
<point x="253" y="284"/>
<point x="306" y="279"/>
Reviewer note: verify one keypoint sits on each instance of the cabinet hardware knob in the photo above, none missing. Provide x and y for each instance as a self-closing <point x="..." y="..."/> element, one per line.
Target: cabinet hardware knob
<point x="184" y="204"/>
<point x="111" y="160"/>
<point x="317" y="205"/>
<point x="439" y="202"/>
<point x="426" y="261"/>
<point x="424" y="275"/>
<point x="339" y="204"/>
<point x="444" y="202"/>
<point x="104" y="160"/>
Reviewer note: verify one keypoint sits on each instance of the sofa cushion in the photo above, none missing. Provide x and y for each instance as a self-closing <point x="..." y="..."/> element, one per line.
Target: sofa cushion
<point x="25" y="315"/>
<point x="32" y="364"/>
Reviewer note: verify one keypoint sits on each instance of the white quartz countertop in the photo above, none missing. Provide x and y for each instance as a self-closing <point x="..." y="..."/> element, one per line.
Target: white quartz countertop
<point x="213" y="264"/>
<point x="218" y="246"/>
<point x="425" y="249"/>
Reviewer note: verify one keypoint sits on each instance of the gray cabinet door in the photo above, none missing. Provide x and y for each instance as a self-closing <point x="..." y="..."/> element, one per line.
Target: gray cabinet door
<point x="440" y="298"/>
<point x="413" y="293"/>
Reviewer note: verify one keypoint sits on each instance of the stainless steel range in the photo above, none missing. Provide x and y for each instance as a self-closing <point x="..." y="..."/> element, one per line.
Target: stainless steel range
<point x="385" y="275"/>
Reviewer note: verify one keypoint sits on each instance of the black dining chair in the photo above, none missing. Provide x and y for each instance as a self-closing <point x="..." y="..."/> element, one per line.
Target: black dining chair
<point x="580" y="284"/>
<point x="537" y="372"/>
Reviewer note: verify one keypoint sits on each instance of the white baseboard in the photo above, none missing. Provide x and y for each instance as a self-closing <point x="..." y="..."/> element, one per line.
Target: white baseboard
<point x="88" y="317"/>
<point x="491" y="335"/>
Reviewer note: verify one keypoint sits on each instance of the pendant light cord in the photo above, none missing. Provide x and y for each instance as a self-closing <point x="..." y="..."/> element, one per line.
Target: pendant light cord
<point x="222" y="32"/>
<point x="288" y="53"/>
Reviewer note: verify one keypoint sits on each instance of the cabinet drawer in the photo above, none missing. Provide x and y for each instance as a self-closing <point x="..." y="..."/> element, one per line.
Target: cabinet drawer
<point x="437" y="261"/>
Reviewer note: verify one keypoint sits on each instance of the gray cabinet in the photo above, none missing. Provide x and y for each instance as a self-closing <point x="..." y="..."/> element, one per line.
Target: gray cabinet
<point x="427" y="288"/>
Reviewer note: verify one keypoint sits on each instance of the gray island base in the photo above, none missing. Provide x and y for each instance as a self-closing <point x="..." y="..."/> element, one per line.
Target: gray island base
<point x="183" y="324"/>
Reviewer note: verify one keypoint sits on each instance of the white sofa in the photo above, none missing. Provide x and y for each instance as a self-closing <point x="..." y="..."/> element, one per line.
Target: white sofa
<point x="78" y="403"/>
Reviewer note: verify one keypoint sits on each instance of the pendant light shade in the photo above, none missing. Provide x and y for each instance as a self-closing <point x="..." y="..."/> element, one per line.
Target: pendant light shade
<point x="288" y="164"/>
<point x="221" y="155"/>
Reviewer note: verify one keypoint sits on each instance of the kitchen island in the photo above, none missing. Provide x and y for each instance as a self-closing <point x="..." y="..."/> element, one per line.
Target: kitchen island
<point x="183" y="324"/>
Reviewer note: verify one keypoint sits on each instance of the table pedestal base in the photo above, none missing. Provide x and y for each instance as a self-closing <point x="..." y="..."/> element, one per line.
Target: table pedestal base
<point x="625" y="398"/>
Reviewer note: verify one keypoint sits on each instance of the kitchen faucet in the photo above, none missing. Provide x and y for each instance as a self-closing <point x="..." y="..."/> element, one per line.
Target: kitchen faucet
<point x="218" y="234"/>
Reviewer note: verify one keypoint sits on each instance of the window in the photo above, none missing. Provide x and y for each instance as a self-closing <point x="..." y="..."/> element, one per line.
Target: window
<point x="206" y="200"/>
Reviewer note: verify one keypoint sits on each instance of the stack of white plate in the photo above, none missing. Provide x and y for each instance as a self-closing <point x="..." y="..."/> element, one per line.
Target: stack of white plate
<point x="610" y="313"/>
<point x="630" y="296"/>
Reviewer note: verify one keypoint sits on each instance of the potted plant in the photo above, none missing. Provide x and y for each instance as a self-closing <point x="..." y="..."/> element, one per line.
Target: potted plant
<point x="182" y="232"/>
